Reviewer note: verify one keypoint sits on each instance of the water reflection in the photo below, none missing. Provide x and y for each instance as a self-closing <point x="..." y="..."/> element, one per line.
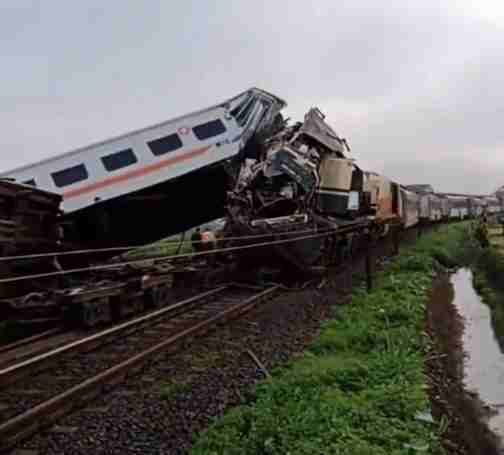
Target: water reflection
<point x="483" y="342"/>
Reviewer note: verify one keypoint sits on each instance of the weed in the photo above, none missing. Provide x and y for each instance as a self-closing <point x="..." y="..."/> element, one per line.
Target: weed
<point x="171" y="390"/>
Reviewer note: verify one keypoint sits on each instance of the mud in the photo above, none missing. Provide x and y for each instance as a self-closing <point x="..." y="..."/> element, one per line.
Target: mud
<point x="465" y="415"/>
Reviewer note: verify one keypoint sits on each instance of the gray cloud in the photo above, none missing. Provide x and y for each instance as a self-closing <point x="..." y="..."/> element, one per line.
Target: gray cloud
<point x="415" y="89"/>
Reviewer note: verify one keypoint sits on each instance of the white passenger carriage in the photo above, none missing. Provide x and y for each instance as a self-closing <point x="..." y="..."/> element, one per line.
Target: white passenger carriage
<point x="101" y="183"/>
<point x="476" y="206"/>
<point x="435" y="208"/>
<point x="459" y="207"/>
<point x="152" y="155"/>
<point x="445" y="207"/>
<point x="430" y="207"/>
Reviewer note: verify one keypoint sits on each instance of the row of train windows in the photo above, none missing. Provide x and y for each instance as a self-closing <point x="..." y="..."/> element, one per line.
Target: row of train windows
<point x="127" y="157"/>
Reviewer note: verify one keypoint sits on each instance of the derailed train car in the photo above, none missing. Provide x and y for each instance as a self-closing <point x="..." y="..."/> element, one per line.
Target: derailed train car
<point x="303" y="180"/>
<point x="113" y="191"/>
<point x="279" y="182"/>
<point x="29" y="222"/>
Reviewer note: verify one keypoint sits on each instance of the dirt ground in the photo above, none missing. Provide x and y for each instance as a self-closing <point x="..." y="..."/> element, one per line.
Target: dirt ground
<point x="466" y="431"/>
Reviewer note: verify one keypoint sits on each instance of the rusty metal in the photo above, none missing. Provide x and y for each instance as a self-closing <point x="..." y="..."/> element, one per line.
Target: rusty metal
<point x="37" y="347"/>
<point x="29" y="340"/>
<point x="46" y="413"/>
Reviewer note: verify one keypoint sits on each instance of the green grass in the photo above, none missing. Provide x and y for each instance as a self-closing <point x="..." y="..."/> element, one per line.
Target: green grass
<point x="171" y="390"/>
<point x="490" y="262"/>
<point x="359" y="387"/>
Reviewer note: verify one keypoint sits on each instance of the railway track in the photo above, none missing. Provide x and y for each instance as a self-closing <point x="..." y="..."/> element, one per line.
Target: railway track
<point x="29" y="347"/>
<point x="28" y="340"/>
<point x="36" y="392"/>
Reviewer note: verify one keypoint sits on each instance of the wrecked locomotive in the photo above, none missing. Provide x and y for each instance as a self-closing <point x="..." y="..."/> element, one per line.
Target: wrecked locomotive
<point x="302" y="188"/>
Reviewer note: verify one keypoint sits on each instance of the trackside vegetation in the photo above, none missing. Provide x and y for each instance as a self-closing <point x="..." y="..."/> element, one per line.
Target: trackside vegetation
<point x="488" y="271"/>
<point x="360" y="388"/>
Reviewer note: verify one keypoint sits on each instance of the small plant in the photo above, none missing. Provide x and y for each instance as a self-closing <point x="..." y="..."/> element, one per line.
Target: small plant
<point x="171" y="390"/>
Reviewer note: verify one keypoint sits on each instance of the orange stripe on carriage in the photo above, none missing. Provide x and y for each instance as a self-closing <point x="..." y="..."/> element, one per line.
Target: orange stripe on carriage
<point x="135" y="174"/>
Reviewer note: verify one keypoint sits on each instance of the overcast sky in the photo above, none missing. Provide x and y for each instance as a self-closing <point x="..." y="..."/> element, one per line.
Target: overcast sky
<point x="417" y="87"/>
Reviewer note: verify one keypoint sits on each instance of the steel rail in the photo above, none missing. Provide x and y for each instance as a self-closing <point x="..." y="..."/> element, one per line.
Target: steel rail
<point x="20" y="370"/>
<point x="46" y="413"/>
<point x="28" y="340"/>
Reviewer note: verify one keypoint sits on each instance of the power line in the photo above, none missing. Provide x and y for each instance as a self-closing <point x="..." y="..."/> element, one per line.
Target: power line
<point x="179" y="256"/>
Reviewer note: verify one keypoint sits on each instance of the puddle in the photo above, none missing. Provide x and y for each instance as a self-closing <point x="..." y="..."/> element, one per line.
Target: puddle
<point x="484" y="364"/>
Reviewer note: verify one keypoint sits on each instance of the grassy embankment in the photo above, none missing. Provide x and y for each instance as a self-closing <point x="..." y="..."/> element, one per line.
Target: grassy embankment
<point x="360" y="387"/>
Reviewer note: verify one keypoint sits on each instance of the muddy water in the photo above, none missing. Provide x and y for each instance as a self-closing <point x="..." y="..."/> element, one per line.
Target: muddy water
<point x="484" y="365"/>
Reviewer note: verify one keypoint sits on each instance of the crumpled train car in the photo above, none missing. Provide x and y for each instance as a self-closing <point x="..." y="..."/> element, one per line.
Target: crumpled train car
<point x="302" y="180"/>
<point x="28" y="219"/>
<point x="29" y="223"/>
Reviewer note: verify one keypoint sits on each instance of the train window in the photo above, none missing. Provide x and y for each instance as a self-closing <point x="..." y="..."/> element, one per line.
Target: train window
<point x="70" y="175"/>
<point x="238" y="108"/>
<point x="209" y="129"/>
<point x="241" y="106"/>
<point x="244" y="115"/>
<point x="119" y="160"/>
<point x="30" y="182"/>
<point x="165" y="144"/>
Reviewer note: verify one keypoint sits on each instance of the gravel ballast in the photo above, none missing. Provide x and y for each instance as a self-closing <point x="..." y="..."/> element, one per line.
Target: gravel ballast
<point x="176" y="396"/>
